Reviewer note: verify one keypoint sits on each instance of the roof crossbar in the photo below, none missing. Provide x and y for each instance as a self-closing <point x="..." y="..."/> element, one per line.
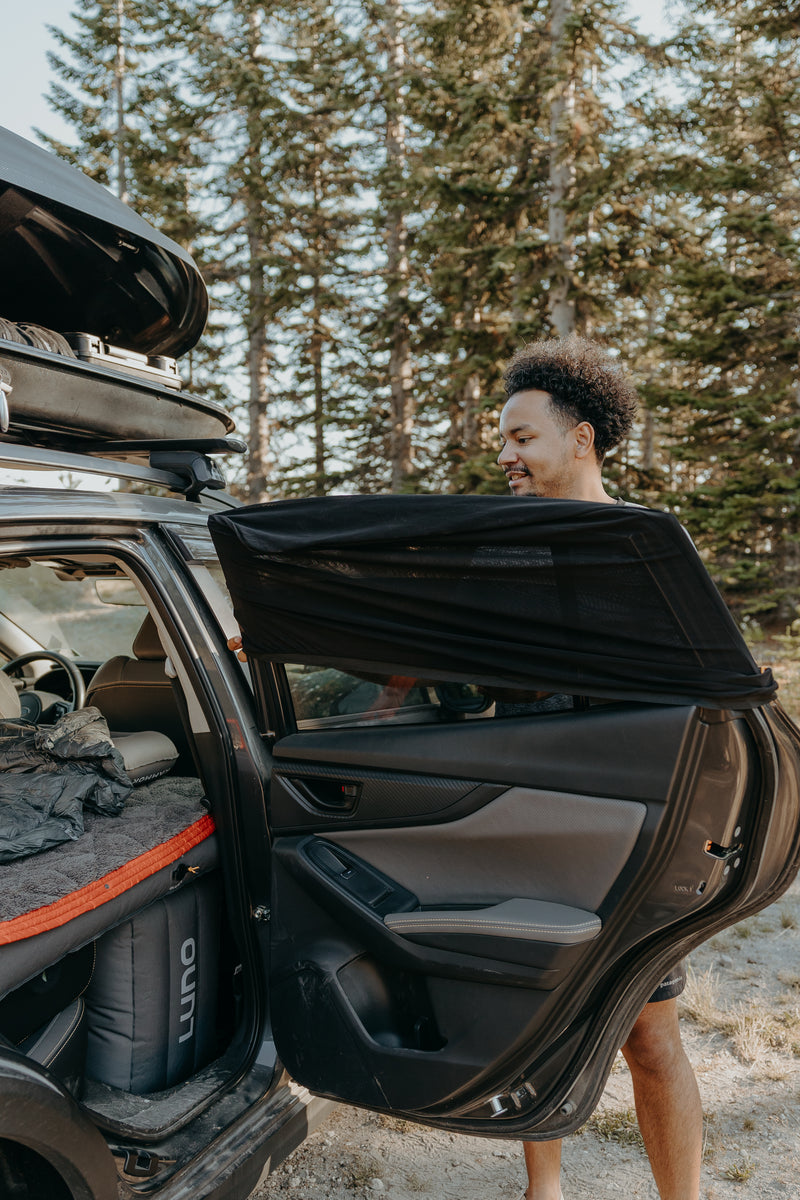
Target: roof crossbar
<point x="40" y="459"/>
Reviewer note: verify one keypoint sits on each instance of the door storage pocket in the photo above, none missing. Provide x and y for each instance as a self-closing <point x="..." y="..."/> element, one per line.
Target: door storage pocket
<point x="152" y="1003"/>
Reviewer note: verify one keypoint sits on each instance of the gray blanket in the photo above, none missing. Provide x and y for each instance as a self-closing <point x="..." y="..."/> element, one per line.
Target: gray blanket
<point x="154" y="813"/>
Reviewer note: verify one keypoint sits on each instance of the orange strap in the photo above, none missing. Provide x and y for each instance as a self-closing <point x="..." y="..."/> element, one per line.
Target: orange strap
<point x="108" y="887"/>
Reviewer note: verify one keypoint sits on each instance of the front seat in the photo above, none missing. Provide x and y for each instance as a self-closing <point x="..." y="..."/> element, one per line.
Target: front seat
<point x="147" y="754"/>
<point x="135" y="693"/>
<point x="10" y="709"/>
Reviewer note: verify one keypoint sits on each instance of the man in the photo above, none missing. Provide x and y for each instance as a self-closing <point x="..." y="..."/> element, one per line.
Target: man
<point x="568" y="405"/>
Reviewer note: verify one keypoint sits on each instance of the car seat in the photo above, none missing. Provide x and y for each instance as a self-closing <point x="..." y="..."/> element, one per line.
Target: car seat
<point x="135" y="694"/>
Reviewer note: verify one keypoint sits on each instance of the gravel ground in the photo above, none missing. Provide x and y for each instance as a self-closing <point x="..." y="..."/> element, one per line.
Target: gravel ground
<point x="741" y="1029"/>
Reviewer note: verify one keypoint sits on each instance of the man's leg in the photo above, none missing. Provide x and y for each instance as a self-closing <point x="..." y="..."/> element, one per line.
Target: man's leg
<point x="667" y="1101"/>
<point x="543" y="1164"/>
<point x="667" y="1106"/>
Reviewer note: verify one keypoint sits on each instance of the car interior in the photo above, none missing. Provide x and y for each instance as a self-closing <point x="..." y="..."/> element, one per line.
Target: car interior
<point x="119" y="971"/>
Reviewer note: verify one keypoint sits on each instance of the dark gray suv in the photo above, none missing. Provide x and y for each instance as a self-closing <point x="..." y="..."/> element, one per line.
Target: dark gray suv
<point x="371" y="857"/>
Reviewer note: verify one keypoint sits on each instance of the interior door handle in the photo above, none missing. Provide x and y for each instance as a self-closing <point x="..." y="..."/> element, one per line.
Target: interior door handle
<point x="328" y="795"/>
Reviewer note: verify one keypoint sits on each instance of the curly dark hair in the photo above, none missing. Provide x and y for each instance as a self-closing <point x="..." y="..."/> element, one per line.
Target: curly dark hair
<point x="583" y="382"/>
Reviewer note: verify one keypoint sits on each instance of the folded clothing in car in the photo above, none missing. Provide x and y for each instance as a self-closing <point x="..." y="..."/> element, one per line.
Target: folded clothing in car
<point x="49" y="774"/>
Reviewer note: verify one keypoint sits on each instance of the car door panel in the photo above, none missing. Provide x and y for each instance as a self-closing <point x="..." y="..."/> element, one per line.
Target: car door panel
<point x="610" y="758"/>
<point x="314" y="796"/>
<point x="661" y="810"/>
<point x="568" y="848"/>
<point x="409" y="988"/>
<point x="367" y="1013"/>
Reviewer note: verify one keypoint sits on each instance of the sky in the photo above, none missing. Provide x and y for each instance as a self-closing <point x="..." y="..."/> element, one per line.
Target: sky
<point x="26" y="74"/>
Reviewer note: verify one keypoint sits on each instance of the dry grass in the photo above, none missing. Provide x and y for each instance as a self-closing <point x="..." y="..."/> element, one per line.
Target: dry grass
<point x="616" y="1125"/>
<point x="786" y="670"/>
<point x="414" y="1183"/>
<point x="756" y="1035"/>
<point x="699" y="1002"/>
<point x="713" y="1140"/>
<point x="396" y="1124"/>
<point x="739" y="1171"/>
<point x="361" y="1170"/>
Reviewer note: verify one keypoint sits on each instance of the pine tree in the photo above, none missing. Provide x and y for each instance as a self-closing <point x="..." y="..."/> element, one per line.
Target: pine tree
<point x="315" y="263"/>
<point x="99" y="65"/>
<point x="732" y="338"/>
<point x="520" y="156"/>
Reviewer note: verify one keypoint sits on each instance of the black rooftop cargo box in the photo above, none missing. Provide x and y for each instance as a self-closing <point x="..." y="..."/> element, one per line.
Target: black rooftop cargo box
<point x="94" y="306"/>
<point x="75" y="258"/>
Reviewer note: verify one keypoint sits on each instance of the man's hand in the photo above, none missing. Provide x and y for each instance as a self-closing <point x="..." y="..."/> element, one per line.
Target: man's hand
<point x="235" y="644"/>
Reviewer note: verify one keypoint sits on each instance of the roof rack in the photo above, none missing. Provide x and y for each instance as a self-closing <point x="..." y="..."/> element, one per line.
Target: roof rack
<point x="182" y="467"/>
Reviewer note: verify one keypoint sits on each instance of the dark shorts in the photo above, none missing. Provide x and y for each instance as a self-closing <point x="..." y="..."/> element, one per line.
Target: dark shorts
<point x="672" y="986"/>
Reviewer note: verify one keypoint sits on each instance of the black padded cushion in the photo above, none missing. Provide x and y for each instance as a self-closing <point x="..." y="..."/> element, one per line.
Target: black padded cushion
<point x="32" y="1006"/>
<point x="60" y="1045"/>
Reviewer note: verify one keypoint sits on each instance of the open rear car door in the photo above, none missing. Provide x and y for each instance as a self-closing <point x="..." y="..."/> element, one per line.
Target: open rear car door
<point x="522" y="763"/>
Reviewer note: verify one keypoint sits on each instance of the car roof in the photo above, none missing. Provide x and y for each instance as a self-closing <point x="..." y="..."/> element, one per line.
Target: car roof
<point x="38" y="510"/>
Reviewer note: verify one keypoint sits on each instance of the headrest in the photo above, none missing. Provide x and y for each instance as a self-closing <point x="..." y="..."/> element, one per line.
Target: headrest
<point x="146" y="644"/>
<point x="9" y="698"/>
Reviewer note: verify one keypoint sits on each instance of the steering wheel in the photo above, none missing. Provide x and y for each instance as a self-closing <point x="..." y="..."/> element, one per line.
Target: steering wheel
<point x="78" y="698"/>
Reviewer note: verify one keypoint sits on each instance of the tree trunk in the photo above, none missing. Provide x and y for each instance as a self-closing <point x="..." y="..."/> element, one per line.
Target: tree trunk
<point x="317" y="341"/>
<point x="119" y="75"/>
<point x="560" y="306"/>
<point x="397" y="265"/>
<point x="259" y="465"/>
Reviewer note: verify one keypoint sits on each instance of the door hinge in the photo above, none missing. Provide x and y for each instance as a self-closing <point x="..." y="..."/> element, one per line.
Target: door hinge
<point x="262" y="912"/>
<point x="510" y="1103"/>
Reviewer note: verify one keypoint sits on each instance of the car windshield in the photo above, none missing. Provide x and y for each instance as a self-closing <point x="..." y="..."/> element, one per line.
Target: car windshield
<point x="64" y="611"/>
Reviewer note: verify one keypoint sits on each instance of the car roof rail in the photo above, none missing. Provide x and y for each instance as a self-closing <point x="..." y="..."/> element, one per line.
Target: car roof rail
<point x="179" y="466"/>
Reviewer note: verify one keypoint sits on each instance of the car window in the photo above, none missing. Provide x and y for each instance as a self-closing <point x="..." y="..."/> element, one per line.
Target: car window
<point x="325" y="696"/>
<point x="63" y="610"/>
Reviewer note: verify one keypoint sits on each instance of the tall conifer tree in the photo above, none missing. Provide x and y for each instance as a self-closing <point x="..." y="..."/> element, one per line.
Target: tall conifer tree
<point x="733" y="337"/>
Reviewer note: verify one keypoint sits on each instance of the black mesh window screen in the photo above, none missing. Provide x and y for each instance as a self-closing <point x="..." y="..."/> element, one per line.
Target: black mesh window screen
<point x="595" y="600"/>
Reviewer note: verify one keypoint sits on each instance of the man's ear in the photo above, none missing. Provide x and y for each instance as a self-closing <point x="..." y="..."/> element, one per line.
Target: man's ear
<point x="584" y="439"/>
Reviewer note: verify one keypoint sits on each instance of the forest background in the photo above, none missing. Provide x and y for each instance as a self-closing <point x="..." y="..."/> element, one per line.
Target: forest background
<point x="388" y="197"/>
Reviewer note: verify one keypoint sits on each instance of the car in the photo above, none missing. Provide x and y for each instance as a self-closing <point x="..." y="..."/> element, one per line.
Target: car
<point x="490" y="769"/>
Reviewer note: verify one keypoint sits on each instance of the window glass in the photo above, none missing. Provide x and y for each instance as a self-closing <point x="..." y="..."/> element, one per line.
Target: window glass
<point x="64" y="610"/>
<point x="325" y="696"/>
<point x="208" y="575"/>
